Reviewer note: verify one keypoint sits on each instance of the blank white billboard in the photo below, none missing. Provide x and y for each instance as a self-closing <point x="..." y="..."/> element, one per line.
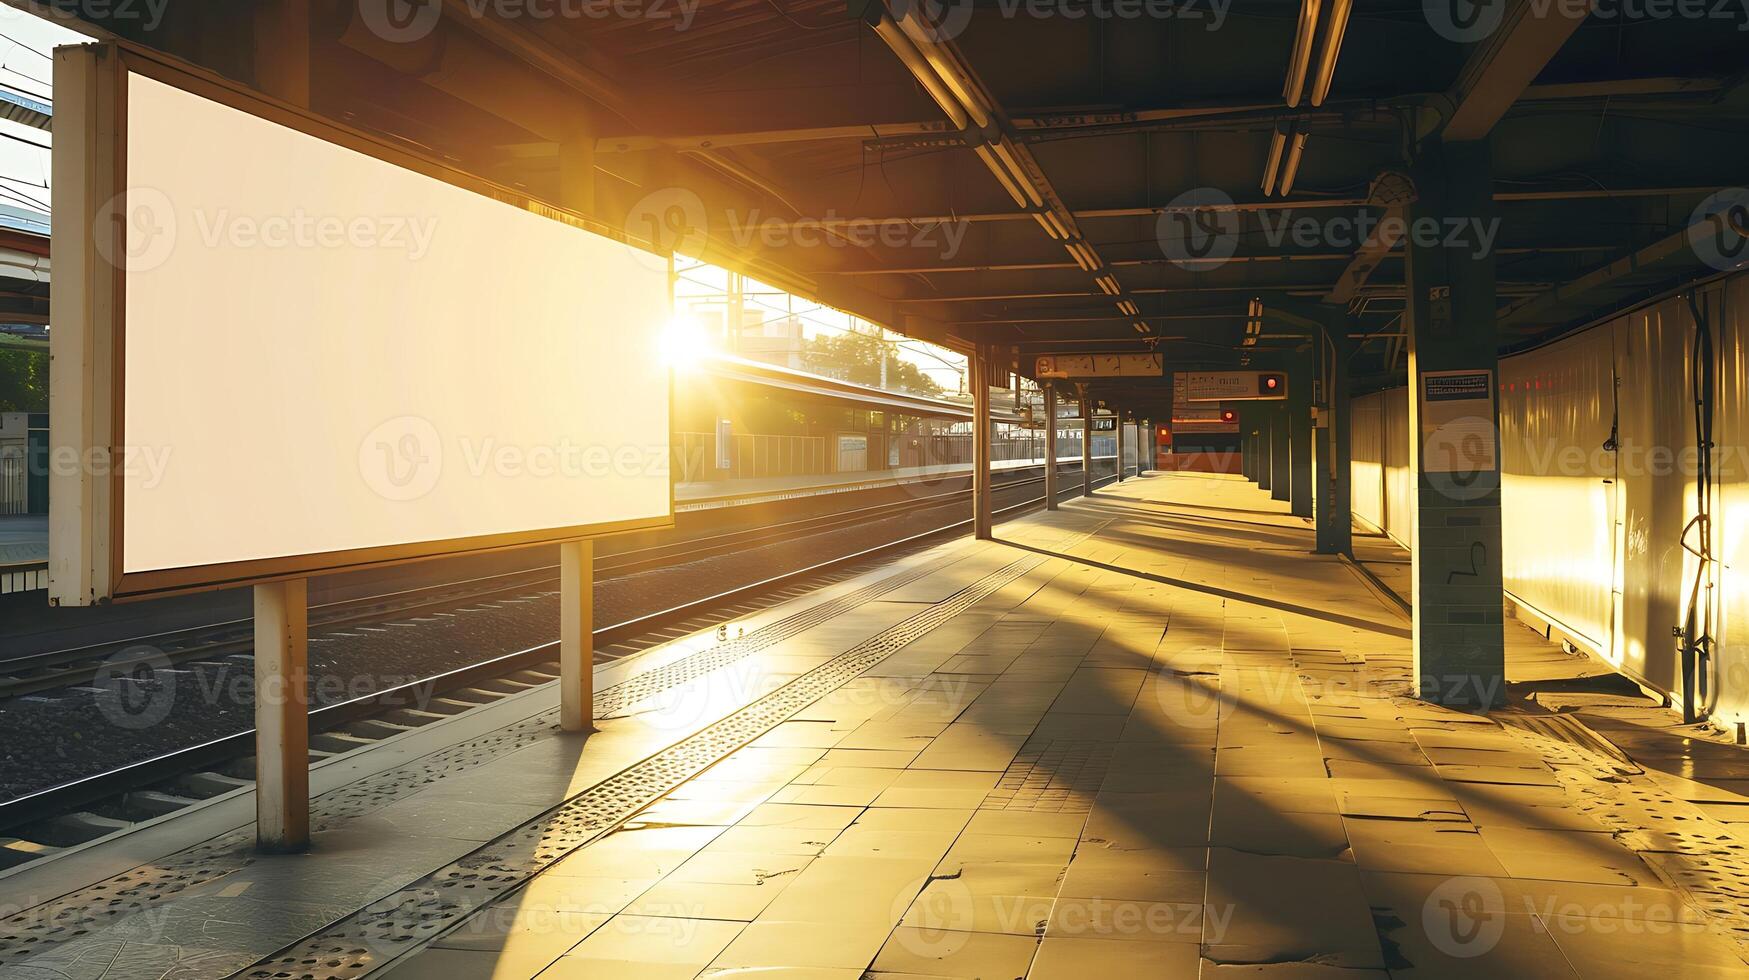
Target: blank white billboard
<point x="330" y="359"/>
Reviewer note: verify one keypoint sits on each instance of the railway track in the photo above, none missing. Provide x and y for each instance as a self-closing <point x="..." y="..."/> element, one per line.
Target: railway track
<point x="48" y="822"/>
<point x="52" y="669"/>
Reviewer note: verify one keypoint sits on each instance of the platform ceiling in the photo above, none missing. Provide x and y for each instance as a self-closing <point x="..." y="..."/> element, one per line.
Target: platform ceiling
<point x="1606" y="135"/>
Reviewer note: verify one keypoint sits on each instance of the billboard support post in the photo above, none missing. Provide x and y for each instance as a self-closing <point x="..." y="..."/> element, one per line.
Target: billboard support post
<point x="576" y="636"/>
<point x="1050" y="446"/>
<point x="282" y="717"/>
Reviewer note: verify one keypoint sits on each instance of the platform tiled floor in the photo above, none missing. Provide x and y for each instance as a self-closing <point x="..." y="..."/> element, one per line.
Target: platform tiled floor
<point x="1163" y="741"/>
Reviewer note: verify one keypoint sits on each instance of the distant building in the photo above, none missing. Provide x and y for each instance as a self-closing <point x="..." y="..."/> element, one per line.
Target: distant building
<point x="777" y="341"/>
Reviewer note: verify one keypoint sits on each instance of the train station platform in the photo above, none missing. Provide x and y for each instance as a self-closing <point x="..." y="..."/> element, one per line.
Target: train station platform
<point x="710" y="494"/>
<point x="1148" y="734"/>
<point x="24" y="552"/>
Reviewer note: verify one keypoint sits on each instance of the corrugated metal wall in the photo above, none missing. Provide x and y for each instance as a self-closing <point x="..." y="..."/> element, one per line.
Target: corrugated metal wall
<point x="1594" y="535"/>
<point x="1380" y="462"/>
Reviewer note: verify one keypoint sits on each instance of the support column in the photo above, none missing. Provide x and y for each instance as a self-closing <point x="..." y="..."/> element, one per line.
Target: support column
<point x="1335" y="523"/>
<point x="1086" y="441"/>
<point x="1264" y="451"/>
<point x="1280" y="452"/>
<point x="282" y="717"/>
<point x="1117" y="427"/>
<point x="1243" y="416"/>
<point x="1050" y="446"/>
<point x="577" y="636"/>
<point x="981" y="523"/>
<point x="1454" y="434"/>
<point x="1299" y="435"/>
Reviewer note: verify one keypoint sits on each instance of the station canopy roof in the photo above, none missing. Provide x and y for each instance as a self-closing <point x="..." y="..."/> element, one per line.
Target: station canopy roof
<point x="1036" y="175"/>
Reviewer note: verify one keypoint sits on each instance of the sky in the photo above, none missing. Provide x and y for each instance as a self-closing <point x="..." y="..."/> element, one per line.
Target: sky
<point x="26" y="69"/>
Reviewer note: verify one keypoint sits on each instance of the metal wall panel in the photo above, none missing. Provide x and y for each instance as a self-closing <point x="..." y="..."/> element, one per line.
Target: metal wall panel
<point x="1728" y="308"/>
<point x="1366" y="453"/>
<point x="1594" y="537"/>
<point x="1558" y="482"/>
<point x="1656" y="418"/>
<point x="1379" y="462"/>
<point x="1399" y="484"/>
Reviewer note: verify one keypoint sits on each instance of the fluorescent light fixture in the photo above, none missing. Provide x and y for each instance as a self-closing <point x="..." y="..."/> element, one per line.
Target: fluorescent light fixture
<point x="1052" y="216"/>
<point x="984" y="154"/>
<point x="1326" y="72"/>
<point x="1291" y="168"/>
<point x="1075" y="254"/>
<point x="1046" y="225"/>
<point x="1017" y="172"/>
<point x="945" y="69"/>
<point x="919" y="67"/>
<point x="1277" y="143"/>
<point x="1302" y="53"/>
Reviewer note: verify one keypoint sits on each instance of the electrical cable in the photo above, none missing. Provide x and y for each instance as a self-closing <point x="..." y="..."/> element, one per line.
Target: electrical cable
<point x="1696" y="632"/>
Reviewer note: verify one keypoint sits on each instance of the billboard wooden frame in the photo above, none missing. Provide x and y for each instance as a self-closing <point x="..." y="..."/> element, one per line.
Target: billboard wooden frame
<point x="88" y="509"/>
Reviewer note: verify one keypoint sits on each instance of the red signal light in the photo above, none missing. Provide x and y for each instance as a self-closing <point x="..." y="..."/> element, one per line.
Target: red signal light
<point x="1228" y="415"/>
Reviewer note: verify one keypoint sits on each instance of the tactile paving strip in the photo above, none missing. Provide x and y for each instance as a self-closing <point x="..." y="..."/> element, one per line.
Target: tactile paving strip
<point x="1061" y="776"/>
<point x="1694" y="854"/>
<point x="78" y="914"/>
<point x="425" y="909"/>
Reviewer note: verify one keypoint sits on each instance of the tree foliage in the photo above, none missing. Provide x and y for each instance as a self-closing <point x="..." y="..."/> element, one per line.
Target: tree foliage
<point x="24" y="381"/>
<point x="856" y="357"/>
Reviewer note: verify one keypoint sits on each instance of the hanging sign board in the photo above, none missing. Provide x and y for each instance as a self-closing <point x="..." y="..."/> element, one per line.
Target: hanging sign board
<point x="1052" y="366"/>
<point x="1234" y="386"/>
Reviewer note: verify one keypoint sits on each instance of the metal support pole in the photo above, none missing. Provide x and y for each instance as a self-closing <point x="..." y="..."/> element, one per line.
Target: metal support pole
<point x="577" y="636"/>
<point x="1335" y="484"/>
<point x="1280" y="452"/>
<point x="981" y="523"/>
<point x="1454" y="434"/>
<point x="282" y="717"/>
<point x="1300" y="435"/>
<point x="1117" y="429"/>
<point x="1050" y="446"/>
<point x="1086" y="441"/>
<point x="1265" y="457"/>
